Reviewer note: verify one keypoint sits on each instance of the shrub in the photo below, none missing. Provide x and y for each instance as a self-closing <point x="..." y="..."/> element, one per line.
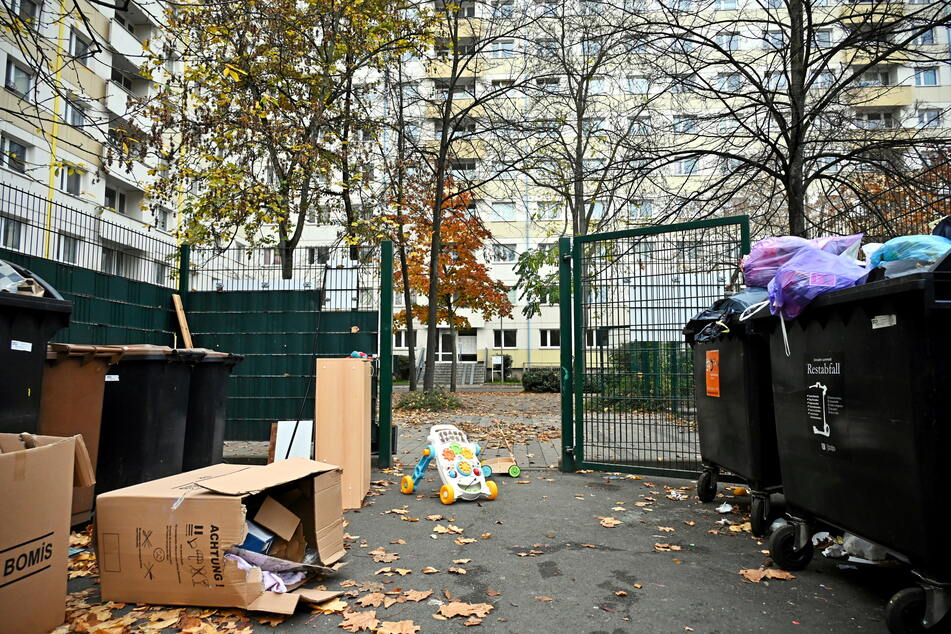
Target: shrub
<point x="401" y="368"/>
<point x="542" y="380"/>
<point x="430" y="401"/>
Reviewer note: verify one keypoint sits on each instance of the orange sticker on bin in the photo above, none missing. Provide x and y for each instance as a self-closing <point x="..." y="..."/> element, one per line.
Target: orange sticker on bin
<point x="713" y="373"/>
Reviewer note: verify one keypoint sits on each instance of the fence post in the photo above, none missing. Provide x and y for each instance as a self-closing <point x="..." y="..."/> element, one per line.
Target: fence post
<point x="567" y="384"/>
<point x="184" y="270"/>
<point x="386" y="355"/>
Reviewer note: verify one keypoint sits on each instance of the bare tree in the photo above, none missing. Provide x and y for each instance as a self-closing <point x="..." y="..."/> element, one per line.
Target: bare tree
<point x="797" y="98"/>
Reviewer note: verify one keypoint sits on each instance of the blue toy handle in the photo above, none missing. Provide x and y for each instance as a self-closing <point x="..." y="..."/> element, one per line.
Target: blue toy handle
<point x="423" y="463"/>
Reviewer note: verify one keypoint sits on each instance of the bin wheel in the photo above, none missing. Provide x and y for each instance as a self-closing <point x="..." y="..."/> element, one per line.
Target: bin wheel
<point x="446" y="494"/>
<point x="782" y="548"/>
<point x="759" y="520"/>
<point x="906" y="611"/>
<point x="707" y="485"/>
<point x="493" y="490"/>
<point x="406" y="485"/>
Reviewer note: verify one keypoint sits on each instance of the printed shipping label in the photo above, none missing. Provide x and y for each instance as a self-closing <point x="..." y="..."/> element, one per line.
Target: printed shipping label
<point x="21" y="346"/>
<point x="112" y="377"/>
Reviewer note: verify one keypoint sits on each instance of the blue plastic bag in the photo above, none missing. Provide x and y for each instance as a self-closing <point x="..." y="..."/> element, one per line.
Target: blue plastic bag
<point x="766" y="256"/>
<point x="808" y="274"/>
<point x="923" y="248"/>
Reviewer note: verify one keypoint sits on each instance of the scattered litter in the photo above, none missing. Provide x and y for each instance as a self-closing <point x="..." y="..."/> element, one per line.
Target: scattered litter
<point x="724" y="508"/>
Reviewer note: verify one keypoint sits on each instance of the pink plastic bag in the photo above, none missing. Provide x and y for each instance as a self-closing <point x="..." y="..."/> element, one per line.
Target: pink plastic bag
<point x="768" y="255"/>
<point x="808" y="274"/>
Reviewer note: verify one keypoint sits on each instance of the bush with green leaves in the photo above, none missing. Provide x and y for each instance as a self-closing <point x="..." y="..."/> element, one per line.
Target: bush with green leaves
<point x="541" y="380"/>
<point x="429" y="400"/>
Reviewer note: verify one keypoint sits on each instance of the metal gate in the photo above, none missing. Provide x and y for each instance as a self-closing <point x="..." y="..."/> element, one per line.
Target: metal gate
<point x="627" y="375"/>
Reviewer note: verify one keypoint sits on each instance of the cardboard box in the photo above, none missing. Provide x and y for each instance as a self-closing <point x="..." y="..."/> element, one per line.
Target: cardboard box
<point x="165" y="541"/>
<point x="342" y="423"/>
<point x="37" y="474"/>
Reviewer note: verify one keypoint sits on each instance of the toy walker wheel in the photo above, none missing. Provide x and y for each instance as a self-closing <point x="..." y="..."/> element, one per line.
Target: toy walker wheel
<point x="493" y="490"/>
<point x="905" y="611"/>
<point x="427" y="451"/>
<point x="406" y="485"/>
<point x="446" y="494"/>
<point x="782" y="548"/>
<point x="515" y="471"/>
<point x="707" y="485"/>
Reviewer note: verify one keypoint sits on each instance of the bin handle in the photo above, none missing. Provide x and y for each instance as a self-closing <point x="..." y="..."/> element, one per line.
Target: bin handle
<point x="753" y="309"/>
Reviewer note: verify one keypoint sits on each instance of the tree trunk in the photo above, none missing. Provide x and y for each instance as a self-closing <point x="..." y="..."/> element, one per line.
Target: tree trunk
<point x="795" y="183"/>
<point x="410" y="329"/>
<point x="454" y="365"/>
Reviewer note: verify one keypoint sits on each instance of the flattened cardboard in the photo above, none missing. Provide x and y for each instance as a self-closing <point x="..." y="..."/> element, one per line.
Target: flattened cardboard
<point x="342" y="423"/>
<point x="36" y="488"/>
<point x="275" y="517"/>
<point x="164" y="541"/>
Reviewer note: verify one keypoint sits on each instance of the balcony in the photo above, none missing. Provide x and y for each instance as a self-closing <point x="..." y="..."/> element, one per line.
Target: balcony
<point x="881" y="96"/>
<point x="873" y="12"/>
<point x="138" y="178"/>
<point x="125" y="43"/>
<point x="117" y="99"/>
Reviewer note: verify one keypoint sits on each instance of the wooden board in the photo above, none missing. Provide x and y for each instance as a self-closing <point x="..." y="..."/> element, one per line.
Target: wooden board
<point x="182" y="322"/>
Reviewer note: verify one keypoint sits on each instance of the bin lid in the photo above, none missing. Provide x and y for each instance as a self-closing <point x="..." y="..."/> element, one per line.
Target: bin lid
<point x="217" y="356"/>
<point x="150" y="352"/>
<point x="63" y="351"/>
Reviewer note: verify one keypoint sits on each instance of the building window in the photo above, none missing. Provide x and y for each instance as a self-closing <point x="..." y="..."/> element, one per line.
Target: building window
<point x="12" y="231"/>
<point x="503" y="9"/>
<point x="685" y="167"/>
<point x="875" y="78"/>
<point x="775" y="40"/>
<point x="549" y="338"/>
<point x="685" y="124"/>
<point x="122" y="79"/>
<point x="79" y="48"/>
<point x="73" y="114"/>
<point x="875" y="120"/>
<point x="504" y="210"/>
<point x="115" y="262"/>
<point x="463" y="165"/>
<point x="270" y="257"/>
<point x="68" y="249"/>
<point x="929" y="118"/>
<point x="925" y="38"/>
<point x="161" y="218"/>
<point x="503" y="253"/>
<point x="399" y="339"/>
<point x="548" y="8"/>
<point x="728" y="41"/>
<point x="926" y="77"/>
<point x="503" y="48"/>
<point x="14" y="155"/>
<point x="641" y="209"/>
<point x="27" y="11"/>
<point x="505" y="338"/>
<point x="595" y="337"/>
<point x="548" y="209"/>
<point x="18" y="79"/>
<point x="638" y="85"/>
<point x="776" y="80"/>
<point x="823" y="38"/>
<point x="70" y="179"/>
<point x="115" y="200"/>
<point x="724" y="5"/>
<point x="161" y="273"/>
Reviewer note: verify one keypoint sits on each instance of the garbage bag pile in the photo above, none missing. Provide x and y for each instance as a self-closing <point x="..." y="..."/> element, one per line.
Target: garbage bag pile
<point x="794" y="271"/>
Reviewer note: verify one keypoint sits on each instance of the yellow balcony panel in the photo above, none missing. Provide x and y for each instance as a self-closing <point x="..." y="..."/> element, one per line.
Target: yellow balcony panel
<point x="855" y="57"/>
<point x="882" y="96"/>
<point x="871" y="12"/>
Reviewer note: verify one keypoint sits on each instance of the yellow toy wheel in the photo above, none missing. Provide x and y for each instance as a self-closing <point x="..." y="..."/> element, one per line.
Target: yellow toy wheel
<point x="427" y="451"/>
<point x="493" y="489"/>
<point x="446" y="494"/>
<point x="406" y="485"/>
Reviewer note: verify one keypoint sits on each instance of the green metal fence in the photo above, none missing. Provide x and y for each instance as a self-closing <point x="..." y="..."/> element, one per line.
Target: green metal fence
<point x="627" y="397"/>
<point x="337" y="300"/>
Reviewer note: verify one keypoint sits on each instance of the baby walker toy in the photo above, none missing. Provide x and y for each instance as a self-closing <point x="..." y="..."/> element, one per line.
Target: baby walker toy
<point x="457" y="461"/>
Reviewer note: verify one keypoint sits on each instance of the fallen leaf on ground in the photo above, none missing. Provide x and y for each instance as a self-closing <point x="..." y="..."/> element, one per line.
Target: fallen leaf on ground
<point x="429" y="570"/>
<point x="638" y="586"/>
<point x="456" y="570"/>
<point x="757" y="575"/>
<point x="665" y="548"/>
<point x="330" y="607"/>
<point x="462" y="541"/>
<point x="357" y="621"/>
<point x="461" y="561"/>
<point x="493" y="593"/>
<point x="610" y="522"/>
<point x="486" y="535"/>
<point x="372" y="600"/>
<point x="690" y="523"/>
<point x="458" y="608"/>
<point x="389" y="572"/>
<point x="544" y="599"/>
<point x="588" y="546"/>
<point x="469" y="622"/>
<point x="417" y="595"/>
<point x="444" y="530"/>
<point x="665" y="529"/>
<point x="397" y="511"/>
<point x="272" y="620"/>
<point x="621" y="593"/>
<point x="397" y="541"/>
<point x="398" y="627"/>
<point x="407" y="518"/>
<point x="434" y="518"/>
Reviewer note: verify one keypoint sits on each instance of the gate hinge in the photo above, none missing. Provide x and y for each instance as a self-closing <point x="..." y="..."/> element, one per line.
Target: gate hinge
<point x="570" y="450"/>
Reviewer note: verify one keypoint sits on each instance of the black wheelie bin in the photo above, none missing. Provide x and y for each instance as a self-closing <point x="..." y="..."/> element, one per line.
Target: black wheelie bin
<point x="26" y="325"/>
<point x="207" y="400"/>
<point x="864" y="430"/>
<point x="734" y="401"/>
<point x="144" y="415"/>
